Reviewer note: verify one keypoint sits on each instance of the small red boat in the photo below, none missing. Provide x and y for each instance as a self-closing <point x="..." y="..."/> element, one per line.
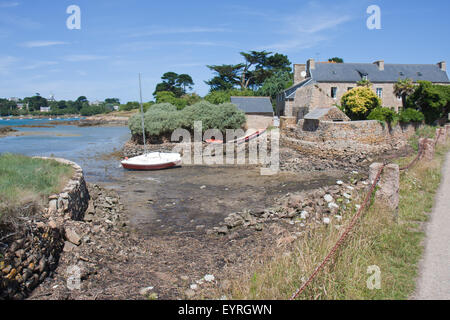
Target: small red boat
<point x="152" y="161"/>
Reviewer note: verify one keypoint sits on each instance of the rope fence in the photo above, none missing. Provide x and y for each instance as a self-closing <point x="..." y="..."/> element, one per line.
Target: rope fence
<point x="355" y="218"/>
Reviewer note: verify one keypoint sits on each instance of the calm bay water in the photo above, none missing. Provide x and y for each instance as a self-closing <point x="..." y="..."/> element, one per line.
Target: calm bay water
<point x="87" y="146"/>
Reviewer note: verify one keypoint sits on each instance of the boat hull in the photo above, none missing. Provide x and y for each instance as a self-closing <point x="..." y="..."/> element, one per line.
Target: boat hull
<point x="148" y="167"/>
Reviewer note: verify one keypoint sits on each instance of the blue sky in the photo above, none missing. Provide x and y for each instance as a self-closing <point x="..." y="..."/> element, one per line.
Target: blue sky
<point x="118" y="39"/>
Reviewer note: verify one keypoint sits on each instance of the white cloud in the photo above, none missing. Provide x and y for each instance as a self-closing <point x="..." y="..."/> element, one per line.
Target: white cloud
<point x="83" y="57"/>
<point x="306" y="28"/>
<point x="39" y="64"/>
<point x="5" y="4"/>
<point x="179" y="30"/>
<point x="6" y="62"/>
<point x="148" y="45"/>
<point x="38" y="44"/>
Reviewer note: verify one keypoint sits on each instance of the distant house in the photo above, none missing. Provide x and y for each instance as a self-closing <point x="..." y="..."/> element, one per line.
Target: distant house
<point x="95" y="103"/>
<point x="254" y="105"/>
<point x="44" y="109"/>
<point x="20" y="106"/>
<point x="116" y="108"/>
<point x="322" y="84"/>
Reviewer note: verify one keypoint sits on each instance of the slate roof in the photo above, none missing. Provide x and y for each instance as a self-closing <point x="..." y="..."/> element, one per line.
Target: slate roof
<point x="353" y="72"/>
<point x="253" y="104"/>
<point x="290" y="92"/>
<point x="317" y="113"/>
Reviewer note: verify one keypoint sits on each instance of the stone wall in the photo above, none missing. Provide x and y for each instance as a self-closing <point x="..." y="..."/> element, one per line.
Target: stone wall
<point x="74" y="198"/>
<point x="29" y="253"/>
<point x="344" y="140"/>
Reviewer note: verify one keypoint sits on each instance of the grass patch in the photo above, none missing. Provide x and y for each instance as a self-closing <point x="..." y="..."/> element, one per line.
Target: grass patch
<point x="394" y="246"/>
<point x="26" y="182"/>
<point x="426" y="131"/>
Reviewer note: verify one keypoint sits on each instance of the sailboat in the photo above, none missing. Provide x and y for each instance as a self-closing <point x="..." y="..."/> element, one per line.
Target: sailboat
<point x="152" y="160"/>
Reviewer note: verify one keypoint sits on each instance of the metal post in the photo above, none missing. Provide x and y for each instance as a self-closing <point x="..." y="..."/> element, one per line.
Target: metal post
<point x="142" y="115"/>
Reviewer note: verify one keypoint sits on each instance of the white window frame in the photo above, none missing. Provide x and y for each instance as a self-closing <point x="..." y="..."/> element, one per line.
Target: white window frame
<point x="379" y="92"/>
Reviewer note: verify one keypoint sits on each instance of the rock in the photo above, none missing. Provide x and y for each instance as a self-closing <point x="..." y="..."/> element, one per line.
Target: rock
<point x="222" y="230"/>
<point x="328" y="198"/>
<point x="52" y="224"/>
<point x="72" y="236"/>
<point x="347" y="196"/>
<point x="189" y="293"/>
<point x="304" y="215"/>
<point x="339" y="182"/>
<point x="145" y="291"/>
<point x="286" y="240"/>
<point x="326" y="220"/>
<point x="194" y="286"/>
<point x="209" y="278"/>
<point x="333" y="205"/>
<point x="69" y="247"/>
<point x="259" y="227"/>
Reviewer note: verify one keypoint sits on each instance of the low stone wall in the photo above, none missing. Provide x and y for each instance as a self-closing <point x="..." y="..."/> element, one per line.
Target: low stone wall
<point x="74" y="198"/>
<point x="30" y="252"/>
<point x="353" y="140"/>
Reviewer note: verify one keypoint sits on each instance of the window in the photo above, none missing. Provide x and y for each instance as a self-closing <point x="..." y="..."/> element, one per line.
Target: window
<point x="334" y="92"/>
<point x="349" y="88"/>
<point x="380" y="93"/>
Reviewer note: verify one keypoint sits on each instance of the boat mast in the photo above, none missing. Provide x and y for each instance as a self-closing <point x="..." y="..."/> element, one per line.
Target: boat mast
<point x="142" y="115"/>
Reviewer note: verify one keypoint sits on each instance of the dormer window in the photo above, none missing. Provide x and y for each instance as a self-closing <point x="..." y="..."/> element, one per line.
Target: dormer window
<point x="419" y="74"/>
<point x="402" y="74"/>
<point x="365" y="77"/>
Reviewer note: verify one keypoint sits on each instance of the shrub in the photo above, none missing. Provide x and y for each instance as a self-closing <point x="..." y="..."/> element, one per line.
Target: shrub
<point x="159" y="120"/>
<point x="224" y="96"/>
<point x="163" y="118"/>
<point x="359" y="102"/>
<point x="411" y="115"/>
<point x="223" y="116"/>
<point x="383" y="115"/>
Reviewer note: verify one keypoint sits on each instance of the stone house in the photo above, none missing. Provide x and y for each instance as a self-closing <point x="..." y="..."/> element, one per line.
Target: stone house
<point x="322" y="84"/>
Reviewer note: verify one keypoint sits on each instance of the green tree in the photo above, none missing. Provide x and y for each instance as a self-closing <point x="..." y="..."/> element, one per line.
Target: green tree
<point x="36" y="102"/>
<point x="432" y="100"/>
<point x="115" y="101"/>
<point x="227" y="76"/>
<point x="257" y="67"/>
<point x="185" y="81"/>
<point x="403" y="88"/>
<point x="336" y="60"/>
<point x="175" y="83"/>
<point x="358" y="102"/>
<point x="275" y="84"/>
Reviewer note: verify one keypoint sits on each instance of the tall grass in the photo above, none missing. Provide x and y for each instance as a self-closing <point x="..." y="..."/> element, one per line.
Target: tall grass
<point x="25" y="181"/>
<point x="378" y="239"/>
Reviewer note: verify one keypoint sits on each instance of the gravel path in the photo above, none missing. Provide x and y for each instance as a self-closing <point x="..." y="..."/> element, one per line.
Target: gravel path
<point x="434" y="278"/>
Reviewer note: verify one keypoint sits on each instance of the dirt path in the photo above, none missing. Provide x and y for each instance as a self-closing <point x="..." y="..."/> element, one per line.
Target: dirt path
<point x="434" y="278"/>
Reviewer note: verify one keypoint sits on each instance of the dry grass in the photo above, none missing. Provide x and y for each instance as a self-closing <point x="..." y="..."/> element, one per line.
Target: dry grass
<point x="395" y="247"/>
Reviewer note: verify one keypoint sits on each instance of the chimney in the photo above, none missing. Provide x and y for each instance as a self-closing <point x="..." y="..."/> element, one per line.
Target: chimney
<point x="380" y="64"/>
<point x="442" y="65"/>
<point x="310" y="65"/>
<point x="299" y="73"/>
